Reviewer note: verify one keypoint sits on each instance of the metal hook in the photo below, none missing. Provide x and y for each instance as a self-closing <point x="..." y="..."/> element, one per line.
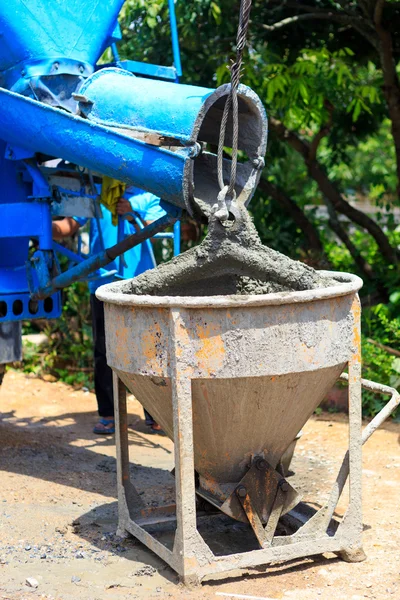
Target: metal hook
<point x="224" y="202"/>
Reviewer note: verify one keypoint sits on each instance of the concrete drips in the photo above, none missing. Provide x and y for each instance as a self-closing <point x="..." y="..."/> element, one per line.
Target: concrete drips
<point x="230" y="260"/>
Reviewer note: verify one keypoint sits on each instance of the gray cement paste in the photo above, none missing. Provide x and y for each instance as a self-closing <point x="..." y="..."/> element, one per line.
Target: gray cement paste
<point x="230" y="260"/>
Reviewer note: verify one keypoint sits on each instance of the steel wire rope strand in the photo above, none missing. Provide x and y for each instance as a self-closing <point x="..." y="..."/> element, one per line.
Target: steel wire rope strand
<point x="232" y="100"/>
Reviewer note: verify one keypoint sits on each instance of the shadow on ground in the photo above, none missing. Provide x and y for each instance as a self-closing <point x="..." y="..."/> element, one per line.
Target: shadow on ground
<point x="101" y="522"/>
<point x="62" y="450"/>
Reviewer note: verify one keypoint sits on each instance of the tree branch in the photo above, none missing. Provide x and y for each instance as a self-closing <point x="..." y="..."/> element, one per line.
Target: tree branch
<point x="329" y="16"/>
<point x="387" y="349"/>
<point x="310" y="8"/>
<point x="378" y="12"/>
<point x="391" y="87"/>
<point x="337" y="227"/>
<point x="330" y="193"/>
<point x="289" y="136"/>
<point x="357" y="22"/>
<point x="366" y="7"/>
<point x="295" y="212"/>
<point x="323" y="132"/>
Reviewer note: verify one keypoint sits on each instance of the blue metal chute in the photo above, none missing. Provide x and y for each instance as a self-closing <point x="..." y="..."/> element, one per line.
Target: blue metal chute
<point x="129" y="141"/>
<point x="116" y="97"/>
<point x="57" y="133"/>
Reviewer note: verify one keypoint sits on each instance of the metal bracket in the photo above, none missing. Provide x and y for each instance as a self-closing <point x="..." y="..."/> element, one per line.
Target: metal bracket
<point x="41" y="269"/>
<point x="263" y="495"/>
<point x="251" y="514"/>
<point x="261" y="482"/>
<point x="276" y="512"/>
<point x="40" y="187"/>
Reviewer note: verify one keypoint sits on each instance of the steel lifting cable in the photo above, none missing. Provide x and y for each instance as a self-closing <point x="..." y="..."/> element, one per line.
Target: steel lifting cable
<point x="228" y="191"/>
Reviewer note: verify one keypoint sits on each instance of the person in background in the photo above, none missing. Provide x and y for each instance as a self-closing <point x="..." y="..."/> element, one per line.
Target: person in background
<point x="136" y="261"/>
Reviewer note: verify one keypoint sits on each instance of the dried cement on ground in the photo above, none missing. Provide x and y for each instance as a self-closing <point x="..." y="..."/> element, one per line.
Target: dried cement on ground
<point x="230" y="260"/>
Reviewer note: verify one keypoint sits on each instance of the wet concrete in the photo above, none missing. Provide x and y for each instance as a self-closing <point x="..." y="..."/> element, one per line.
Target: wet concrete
<point x="230" y="260"/>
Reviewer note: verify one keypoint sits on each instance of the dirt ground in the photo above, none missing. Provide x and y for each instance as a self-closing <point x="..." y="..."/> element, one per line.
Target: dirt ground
<point x="58" y="512"/>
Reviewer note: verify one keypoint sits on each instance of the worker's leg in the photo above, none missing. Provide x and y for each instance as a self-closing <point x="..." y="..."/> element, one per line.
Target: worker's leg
<point x="148" y="418"/>
<point x="103" y="382"/>
<point x="154" y="427"/>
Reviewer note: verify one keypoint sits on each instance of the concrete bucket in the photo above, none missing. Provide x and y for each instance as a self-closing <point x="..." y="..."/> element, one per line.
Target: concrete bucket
<point x="232" y="379"/>
<point x="256" y="368"/>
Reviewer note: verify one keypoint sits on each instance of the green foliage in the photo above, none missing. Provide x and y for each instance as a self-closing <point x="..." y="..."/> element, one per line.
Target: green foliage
<point x="381" y="323"/>
<point x="298" y="90"/>
<point x="275" y="228"/>
<point x="68" y="355"/>
<point x="341" y="260"/>
<point x="367" y="169"/>
<point x="378" y="366"/>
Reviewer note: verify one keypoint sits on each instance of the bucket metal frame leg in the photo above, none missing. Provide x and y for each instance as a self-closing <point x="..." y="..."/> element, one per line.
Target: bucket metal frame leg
<point x="129" y="502"/>
<point x="189" y="548"/>
<point x="190" y="553"/>
<point x="349" y="531"/>
<point x="351" y="526"/>
<point x="190" y="556"/>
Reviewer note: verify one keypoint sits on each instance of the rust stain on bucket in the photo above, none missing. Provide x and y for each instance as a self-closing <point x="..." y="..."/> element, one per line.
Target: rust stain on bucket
<point x="211" y="351"/>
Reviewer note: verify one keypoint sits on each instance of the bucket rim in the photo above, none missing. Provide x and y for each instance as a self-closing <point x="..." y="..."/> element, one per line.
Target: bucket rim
<point x="348" y="284"/>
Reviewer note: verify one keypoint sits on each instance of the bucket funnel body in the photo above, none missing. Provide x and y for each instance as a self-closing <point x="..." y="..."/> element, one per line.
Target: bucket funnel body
<point x="258" y="365"/>
<point x="38" y="34"/>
